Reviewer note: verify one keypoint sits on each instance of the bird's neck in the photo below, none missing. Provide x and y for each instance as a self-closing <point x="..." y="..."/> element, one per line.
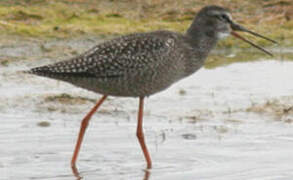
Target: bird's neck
<point x="201" y="39"/>
<point x="201" y="42"/>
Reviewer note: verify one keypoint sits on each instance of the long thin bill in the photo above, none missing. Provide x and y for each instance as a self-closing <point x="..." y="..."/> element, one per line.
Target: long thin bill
<point x="256" y="34"/>
<point x="237" y="27"/>
<point x="249" y="42"/>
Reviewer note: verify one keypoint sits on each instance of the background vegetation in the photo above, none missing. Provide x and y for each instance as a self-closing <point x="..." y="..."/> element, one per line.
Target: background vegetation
<point x="71" y="18"/>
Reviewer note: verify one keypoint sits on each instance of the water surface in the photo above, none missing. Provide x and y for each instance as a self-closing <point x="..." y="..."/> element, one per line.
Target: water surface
<point x="228" y="122"/>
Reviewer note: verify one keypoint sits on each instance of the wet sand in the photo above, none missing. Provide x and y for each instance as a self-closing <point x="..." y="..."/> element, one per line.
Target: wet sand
<point x="207" y="126"/>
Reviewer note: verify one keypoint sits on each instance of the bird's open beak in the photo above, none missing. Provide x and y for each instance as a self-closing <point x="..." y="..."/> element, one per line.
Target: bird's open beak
<point x="237" y="27"/>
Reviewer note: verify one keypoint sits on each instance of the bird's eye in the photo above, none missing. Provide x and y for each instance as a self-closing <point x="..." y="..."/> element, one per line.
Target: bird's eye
<point x="224" y="17"/>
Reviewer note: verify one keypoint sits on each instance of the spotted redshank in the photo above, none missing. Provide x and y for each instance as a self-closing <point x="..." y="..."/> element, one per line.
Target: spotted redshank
<point x="142" y="64"/>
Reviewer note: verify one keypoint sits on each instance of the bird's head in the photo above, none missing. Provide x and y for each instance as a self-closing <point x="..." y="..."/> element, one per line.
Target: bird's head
<point x="216" y="22"/>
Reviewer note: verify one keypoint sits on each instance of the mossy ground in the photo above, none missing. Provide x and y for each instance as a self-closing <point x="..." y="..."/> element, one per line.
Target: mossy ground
<point x="38" y="22"/>
<point x="71" y="18"/>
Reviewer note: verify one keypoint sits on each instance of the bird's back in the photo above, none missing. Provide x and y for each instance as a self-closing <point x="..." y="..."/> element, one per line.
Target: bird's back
<point x="132" y="65"/>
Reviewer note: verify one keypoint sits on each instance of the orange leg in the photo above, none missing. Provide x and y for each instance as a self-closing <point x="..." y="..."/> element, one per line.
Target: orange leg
<point x="140" y="136"/>
<point x="83" y="127"/>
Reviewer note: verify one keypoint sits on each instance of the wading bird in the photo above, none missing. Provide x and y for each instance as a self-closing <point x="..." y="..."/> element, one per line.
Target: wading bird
<point x="142" y="64"/>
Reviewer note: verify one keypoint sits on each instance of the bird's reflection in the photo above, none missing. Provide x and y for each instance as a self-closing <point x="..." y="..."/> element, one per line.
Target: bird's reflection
<point x="76" y="173"/>
<point x="147" y="174"/>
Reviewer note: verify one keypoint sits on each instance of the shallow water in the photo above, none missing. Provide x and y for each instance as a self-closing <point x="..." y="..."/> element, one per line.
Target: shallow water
<point x="207" y="126"/>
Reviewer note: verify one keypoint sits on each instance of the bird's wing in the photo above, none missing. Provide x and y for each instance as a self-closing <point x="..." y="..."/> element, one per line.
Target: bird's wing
<point x="116" y="57"/>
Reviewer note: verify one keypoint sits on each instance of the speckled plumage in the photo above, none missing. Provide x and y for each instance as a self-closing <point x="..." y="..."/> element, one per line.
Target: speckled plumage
<point x="136" y="65"/>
